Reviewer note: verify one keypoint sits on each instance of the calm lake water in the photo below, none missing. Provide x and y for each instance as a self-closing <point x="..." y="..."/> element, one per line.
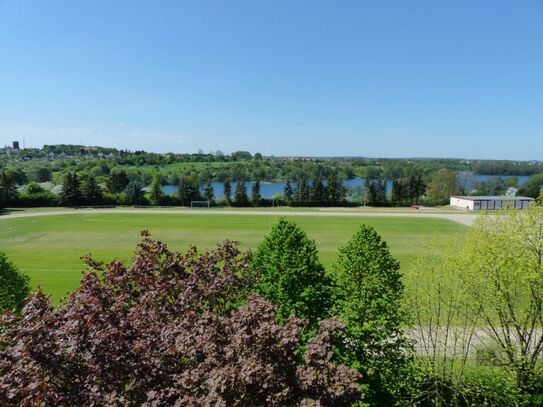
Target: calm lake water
<point x="269" y="189"/>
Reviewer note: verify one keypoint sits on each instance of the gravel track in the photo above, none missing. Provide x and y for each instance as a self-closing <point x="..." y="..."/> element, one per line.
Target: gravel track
<point x="463" y="218"/>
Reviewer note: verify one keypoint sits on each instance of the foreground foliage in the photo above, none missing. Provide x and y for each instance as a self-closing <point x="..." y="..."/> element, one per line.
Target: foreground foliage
<point x="291" y="275"/>
<point x="369" y="292"/>
<point x="169" y="329"/>
<point x="482" y="301"/>
<point x="14" y="287"/>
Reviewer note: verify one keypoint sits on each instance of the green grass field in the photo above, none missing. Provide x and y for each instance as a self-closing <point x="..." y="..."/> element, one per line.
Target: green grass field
<point x="48" y="248"/>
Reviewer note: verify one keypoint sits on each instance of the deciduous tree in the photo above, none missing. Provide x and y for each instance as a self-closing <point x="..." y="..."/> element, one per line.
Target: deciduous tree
<point x="369" y="292"/>
<point x="156" y="194"/>
<point x="291" y="275"/>
<point x="14" y="287"/>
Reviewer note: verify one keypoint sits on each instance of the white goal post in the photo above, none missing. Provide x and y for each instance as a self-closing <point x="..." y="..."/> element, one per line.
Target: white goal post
<point x="200" y="204"/>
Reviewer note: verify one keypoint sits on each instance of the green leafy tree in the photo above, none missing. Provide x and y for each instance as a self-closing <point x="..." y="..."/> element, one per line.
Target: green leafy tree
<point x="14" y="287"/>
<point x="8" y="189"/>
<point x="369" y="293"/>
<point x="187" y="191"/>
<point x="71" y="190"/>
<point x="503" y="279"/>
<point x="414" y="188"/>
<point x="34" y="188"/>
<point x="42" y="174"/>
<point x="303" y="191"/>
<point x="375" y="192"/>
<point x="228" y="192"/>
<point x="288" y="192"/>
<point x="255" y="196"/>
<point x="444" y="184"/>
<point x="209" y="194"/>
<point x="156" y="194"/>
<point x="533" y="187"/>
<point x="335" y="190"/>
<point x="318" y="191"/>
<point x="399" y="192"/>
<point x="291" y="275"/>
<point x="134" y="193"/>
<point x="117" y="180"/>
<point x="240" y="196"/>
<point x="91" y="191"/>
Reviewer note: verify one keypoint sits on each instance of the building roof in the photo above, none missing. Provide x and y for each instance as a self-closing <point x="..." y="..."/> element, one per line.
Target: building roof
<point x="494" y="198"/>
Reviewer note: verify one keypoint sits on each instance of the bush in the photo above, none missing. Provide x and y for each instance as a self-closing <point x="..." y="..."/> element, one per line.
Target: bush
<point x="477" y="386"/>
<point x="14" y="288"/>
<point x="38" y="199"/>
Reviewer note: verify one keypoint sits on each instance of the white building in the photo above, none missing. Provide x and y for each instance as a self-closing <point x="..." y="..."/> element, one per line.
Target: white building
<point x="490" y="203"/>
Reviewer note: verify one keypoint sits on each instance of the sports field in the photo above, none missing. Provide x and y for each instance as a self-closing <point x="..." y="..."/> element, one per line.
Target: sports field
<point x="48" y="248"/>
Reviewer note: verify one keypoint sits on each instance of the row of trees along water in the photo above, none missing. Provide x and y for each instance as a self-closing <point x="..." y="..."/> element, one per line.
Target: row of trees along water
<point x="84" y="188"/>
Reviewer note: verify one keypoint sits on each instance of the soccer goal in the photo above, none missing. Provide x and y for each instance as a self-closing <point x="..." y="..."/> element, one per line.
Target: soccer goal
<point x="200" y="204"/>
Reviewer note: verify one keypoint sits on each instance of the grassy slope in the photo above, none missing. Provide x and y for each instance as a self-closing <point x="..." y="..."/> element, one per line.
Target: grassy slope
<point x="48" y="248"/>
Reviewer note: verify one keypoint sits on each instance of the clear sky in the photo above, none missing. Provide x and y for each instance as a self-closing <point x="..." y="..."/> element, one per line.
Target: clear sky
<point x="395" y="78"/>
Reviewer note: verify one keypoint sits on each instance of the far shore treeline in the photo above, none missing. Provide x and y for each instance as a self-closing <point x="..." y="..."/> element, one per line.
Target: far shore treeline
<point x="72" y="175"/>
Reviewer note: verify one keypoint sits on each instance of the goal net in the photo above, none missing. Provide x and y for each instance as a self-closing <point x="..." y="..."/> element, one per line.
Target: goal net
<point x="200" y="204"/>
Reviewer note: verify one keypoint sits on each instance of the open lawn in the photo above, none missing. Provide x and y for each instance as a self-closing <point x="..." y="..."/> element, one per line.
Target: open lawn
<point x="48" y="248"/>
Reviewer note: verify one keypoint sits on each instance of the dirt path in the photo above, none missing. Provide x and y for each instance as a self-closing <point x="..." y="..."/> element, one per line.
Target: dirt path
<point x="465" y="219"/>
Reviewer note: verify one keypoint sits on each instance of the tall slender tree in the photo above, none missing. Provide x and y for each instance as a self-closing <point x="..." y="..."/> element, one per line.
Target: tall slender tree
<point x="288" y="192"/>
<point x="240" y="196"/>
<point x="134" y="193"/>
<point x="303" y="192"/>
<point x="291" y="275"/>
<point x="91" y="191"/>
<point x="117" y="180"/>
<point x="255" y="196"/>
<point x="156" y="194"/>
<point x="187" y="191"/>
<point x="399" y="192"/>
<point x="208" y="194"/>
<point x="335" y="190"/>
<point x="228" y="191"/>
<point x="71" y="190"/>
<point x="8" y="189"/>
<point x="369" y="294"/>
<point x="318" y="191"/>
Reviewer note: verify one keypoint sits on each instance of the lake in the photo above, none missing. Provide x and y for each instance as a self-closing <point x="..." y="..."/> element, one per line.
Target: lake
<point x="269" y="189"/>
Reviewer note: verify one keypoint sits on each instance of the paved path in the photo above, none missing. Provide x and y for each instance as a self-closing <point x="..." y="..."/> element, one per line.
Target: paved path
<point x="463" y="218"/>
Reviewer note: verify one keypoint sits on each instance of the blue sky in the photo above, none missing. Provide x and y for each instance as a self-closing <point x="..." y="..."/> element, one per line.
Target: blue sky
<point x="391" y="78"/>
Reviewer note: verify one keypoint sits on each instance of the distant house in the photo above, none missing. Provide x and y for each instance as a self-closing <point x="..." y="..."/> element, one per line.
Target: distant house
<point x="490" y="203"/>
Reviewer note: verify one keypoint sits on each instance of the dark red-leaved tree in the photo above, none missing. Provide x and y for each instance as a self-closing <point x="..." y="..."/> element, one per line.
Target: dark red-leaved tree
<point x="169" y="329"/>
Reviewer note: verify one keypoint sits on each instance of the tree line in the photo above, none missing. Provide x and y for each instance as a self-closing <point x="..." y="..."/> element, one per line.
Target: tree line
<point x="119" y="188"/>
